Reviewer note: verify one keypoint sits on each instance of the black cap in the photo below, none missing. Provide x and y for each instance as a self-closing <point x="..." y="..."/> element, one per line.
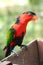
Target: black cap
<point x="29" y="12"/>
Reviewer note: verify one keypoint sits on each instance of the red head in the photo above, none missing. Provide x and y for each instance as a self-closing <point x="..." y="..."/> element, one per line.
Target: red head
<point x="28" y="16"/>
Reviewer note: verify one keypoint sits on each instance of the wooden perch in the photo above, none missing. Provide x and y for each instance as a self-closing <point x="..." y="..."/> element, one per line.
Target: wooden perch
<point x="32" y="56"/>
<point x="6" y="63"/>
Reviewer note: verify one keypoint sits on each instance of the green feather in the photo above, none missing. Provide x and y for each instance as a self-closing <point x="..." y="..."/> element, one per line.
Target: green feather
<point x="10" y="36"/>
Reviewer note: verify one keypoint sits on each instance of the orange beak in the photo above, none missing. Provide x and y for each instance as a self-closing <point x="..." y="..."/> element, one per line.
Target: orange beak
<point x="35" y="18"/>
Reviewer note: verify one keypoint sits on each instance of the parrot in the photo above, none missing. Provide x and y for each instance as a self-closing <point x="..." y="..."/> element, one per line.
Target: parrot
<point x="17" y="31"/>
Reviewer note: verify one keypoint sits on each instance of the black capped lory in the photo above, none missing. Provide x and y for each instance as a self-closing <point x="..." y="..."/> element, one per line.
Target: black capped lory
<point x="17" y="31"/>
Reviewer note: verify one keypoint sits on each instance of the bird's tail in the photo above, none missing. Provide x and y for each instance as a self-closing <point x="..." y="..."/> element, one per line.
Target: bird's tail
<point x="9" y="50"/>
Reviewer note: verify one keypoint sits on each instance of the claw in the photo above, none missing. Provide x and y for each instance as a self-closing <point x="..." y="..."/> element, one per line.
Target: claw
<point x="15" y="52"/>
<point x="25" y="47"/>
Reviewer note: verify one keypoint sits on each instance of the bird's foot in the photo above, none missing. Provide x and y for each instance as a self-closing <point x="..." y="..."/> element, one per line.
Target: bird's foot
<point x="25" y="47"/>
<point x="15" y="52"/>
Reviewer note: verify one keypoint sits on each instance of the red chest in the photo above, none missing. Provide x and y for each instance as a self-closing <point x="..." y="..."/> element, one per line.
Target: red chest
<point x="19" y="29"/>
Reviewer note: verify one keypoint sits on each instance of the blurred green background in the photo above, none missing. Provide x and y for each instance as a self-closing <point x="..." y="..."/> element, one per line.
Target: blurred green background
<point x="10" y="10"/>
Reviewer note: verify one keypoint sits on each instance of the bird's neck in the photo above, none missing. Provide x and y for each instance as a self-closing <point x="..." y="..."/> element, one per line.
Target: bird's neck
<point x="25" y="22"/>
<point x="24" y="19"/>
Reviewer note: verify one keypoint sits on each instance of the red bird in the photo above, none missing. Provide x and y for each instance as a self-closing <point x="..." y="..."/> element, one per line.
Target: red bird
<point x="17" y="32"/>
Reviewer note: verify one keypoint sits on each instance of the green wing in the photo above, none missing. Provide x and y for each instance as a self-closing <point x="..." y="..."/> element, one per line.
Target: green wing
<point x="10" y="36"/>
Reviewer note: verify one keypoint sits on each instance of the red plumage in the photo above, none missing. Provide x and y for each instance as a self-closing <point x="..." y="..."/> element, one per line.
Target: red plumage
<point x="19" y="30"/>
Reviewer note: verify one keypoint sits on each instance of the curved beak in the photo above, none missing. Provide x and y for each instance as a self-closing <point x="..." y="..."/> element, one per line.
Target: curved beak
<point x="35" y="18"/>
